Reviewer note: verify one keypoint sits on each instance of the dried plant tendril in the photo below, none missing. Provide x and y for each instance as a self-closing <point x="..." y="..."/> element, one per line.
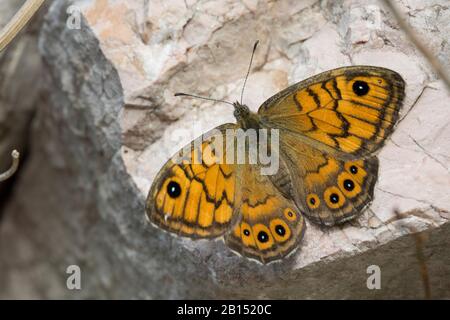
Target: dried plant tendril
<point x="18" y="21"/>
<point x="15" y="164"/>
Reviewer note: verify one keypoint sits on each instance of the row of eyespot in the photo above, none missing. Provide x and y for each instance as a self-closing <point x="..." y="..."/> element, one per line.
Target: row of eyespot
<point x="279" y="229"/>
<point x="313" y="200"/>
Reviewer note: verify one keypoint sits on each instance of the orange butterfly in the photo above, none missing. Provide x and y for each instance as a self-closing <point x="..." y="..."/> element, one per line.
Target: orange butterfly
<point x="330" y="127"/>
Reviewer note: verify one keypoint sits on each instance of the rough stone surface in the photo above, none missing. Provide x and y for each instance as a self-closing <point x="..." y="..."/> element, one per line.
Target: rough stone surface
<point x="20" y="65"/>
<point x="108" y="127"/>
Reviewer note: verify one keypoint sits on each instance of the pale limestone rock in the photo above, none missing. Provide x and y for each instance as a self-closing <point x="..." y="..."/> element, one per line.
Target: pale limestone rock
<point x="112" y="122"/>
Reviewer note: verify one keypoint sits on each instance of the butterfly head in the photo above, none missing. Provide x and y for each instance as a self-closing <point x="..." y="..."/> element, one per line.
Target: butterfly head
<point x="244" y="117"/>
<point x="241" y="111"/>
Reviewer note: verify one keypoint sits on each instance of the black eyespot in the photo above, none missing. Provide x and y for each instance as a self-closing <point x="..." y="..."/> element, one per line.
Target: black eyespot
<point x="360" y="88"/>
<point x="334" y="198"/>
<point x="174" y="189"/>
<point x="246" y="232"/>
<point x="280" y="230"/>
<point x="290" y="214"/>
<point x="354" y="169"/>
<point x="312" y="201"/>
<point x="349" y="185"/>
<point x="263" y="237"/>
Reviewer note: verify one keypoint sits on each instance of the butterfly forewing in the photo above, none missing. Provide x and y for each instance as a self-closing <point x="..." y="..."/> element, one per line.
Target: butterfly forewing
<point x="194" y="194"/>
<point x="348" y="111"/>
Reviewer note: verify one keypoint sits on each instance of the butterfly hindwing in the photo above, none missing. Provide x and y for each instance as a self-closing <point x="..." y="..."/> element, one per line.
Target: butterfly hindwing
<point x="271" y="225"/>
<point x="329" y="189"/>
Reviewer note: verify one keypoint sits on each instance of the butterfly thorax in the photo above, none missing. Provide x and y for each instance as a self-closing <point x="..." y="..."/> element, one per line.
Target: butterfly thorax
<point x="244" y="117"/>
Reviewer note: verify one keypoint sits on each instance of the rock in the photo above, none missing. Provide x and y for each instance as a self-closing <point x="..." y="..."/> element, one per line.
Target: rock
<point x="106" y="130"/>
<point x="20" y="65"/>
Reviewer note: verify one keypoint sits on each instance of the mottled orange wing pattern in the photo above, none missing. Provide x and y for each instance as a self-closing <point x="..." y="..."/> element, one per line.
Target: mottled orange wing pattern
<point x="195" y="196"/>
<point x="330" y="190"/>
<point x="348" y="111"/>
<point x="271" y="225"/>
<point x="330" y="127"/>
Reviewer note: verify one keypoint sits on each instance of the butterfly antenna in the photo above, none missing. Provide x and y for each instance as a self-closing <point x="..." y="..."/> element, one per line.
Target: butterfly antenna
<point x="249" y="67"/>
<point x="181" y="94"/>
